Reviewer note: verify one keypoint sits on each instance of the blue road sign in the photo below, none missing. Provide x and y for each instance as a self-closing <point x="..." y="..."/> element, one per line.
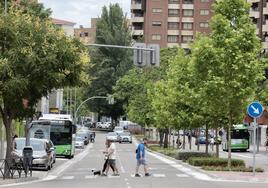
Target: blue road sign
<point x="255" y="109"/>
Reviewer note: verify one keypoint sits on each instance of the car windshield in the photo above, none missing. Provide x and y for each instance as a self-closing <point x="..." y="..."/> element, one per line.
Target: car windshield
<point x="37" y="145"/>
<point x="112" y="134"/>
<point x="79" y="139"/>
<point x="118" y="129"/>
<point x="125" y="134"/>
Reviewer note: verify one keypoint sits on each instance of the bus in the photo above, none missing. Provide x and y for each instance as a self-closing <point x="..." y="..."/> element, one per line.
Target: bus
<point x="239" y="138"/>
<point x="59" y="129"/>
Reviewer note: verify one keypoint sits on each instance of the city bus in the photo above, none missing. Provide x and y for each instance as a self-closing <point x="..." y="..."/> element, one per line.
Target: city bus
<point x="59" y="129"/>
<point x="239" y="138"/>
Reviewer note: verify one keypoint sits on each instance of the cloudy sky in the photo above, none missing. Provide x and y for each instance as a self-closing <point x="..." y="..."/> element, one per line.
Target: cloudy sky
<point x="80" y="11"/>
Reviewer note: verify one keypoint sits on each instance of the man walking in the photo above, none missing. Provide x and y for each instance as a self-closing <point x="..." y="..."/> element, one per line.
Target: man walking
<point x="140" y="156"/>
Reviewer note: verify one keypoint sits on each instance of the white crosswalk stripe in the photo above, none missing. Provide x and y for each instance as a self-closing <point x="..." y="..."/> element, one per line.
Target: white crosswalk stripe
<point x="182" y="175"/>
<point x="67" y="177"/>
<point x="159" y="175"/>
<point x="90" y="177"/>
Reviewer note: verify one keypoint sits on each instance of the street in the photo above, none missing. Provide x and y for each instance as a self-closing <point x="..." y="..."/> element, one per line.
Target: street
<point x="164" y="172"/>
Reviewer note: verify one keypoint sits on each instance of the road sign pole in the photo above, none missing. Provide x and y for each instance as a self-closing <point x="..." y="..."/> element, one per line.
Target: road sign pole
<point x="254" y="145"/>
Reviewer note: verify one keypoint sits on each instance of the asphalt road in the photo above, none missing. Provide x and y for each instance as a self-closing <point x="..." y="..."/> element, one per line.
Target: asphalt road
<point x="166" y="173"/>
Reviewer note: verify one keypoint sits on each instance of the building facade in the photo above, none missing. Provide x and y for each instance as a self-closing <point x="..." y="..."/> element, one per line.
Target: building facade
<point x="87" y="35"/>
<point x="170" y="22"/>
<point x="259" y="16"/>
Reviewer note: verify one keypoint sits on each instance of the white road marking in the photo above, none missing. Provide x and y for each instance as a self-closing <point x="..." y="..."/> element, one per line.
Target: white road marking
<point x="121" y="165"/>
<point x="159" y="175"/>
<point x="90" y="177"/>
<point x="67" y="177"/>
<point x="182" y="175"/>
<point x="109" y="176"/>
<point x="126" y="179"/>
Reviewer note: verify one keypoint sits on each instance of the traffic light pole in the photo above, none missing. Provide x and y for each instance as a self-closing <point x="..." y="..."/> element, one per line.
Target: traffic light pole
<point x="78" y="108"/>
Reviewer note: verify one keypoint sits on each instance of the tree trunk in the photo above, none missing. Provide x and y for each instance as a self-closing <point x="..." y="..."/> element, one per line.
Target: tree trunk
<point x="183" y="142"/>
<point x="166" y="139"/>
<point x="190" y="140"/>
<point x="217" y="144"/>
<point x="206" y="139"/>
<point x="197" y="140"/>
<point x="161" y="137"/>
<point x="8" y="126"/>
<point x="229" y="140"/>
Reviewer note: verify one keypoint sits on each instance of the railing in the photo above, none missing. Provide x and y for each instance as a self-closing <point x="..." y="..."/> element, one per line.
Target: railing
<point x="9" y="168"/>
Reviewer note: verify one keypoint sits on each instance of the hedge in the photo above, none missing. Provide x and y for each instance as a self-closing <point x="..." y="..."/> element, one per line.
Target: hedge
<point x="215" y="162"/>
<point x="235" y="169"/>
<point x="184" y="156"/>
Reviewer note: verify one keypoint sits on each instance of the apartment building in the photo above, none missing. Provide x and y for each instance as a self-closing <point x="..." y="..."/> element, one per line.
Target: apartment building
<point x="259" y="16"/>
<point x="87" y="35"/>
<point x="170" y="22"/>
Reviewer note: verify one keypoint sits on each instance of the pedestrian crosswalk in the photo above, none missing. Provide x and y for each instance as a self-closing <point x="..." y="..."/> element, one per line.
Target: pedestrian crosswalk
<point x="125" y="175"/>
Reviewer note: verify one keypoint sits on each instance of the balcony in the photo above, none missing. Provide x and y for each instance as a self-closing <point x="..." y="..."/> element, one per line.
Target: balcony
<point x="173" y="19"/>
<point x="171" y="45"/>
<point x="188" y="6"/>
<point x="137" y="19"/>
<point x="136" y="6"/>
<point x="185" y="19"/>
<point x="137" y="32"/>
<point x="173" y="6"/>
<point x="187" y="32"/>
<point x="173" y="32"/>
<point x="254" y="13"/>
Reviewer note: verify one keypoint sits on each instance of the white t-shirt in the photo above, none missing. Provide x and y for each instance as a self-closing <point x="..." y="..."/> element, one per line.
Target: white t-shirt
<point x="112" y="150"/>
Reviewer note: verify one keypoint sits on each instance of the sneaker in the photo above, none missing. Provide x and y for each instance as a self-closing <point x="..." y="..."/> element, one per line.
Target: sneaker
<point x="147" y="174"/>
<point x="137" y="175"/>
<point x="103" y="174"/>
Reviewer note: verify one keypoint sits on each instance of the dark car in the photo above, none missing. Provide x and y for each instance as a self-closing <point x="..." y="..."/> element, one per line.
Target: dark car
<point x="202" y="140"/>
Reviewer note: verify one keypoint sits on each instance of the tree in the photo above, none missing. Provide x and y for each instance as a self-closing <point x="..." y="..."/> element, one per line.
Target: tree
<point x="227" y="62"/>
<point x="109" y="64"/>
<point x="35" y="58"/>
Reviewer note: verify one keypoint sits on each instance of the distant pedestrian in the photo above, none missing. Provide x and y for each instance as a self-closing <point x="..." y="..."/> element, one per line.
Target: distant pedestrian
<point x="266" y="143"/>
<point x="140" y="156"/>
<point x="111" y="154"/>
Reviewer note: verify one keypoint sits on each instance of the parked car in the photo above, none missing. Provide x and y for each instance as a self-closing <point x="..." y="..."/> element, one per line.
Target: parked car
<point x="79" y="142"/>
<point x="119" y="130"/>
<point x="44" y="154"/>
<point x="113" y="136"/>
<point x="99" y="124"/>
<point x="125" y="137"/>
<point x="201" y="140"/>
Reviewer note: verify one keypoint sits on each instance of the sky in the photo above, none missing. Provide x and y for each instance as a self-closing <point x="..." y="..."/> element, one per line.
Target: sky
<point x="81" y="11"/>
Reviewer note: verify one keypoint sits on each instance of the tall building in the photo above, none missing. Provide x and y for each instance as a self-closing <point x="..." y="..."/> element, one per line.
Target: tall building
<point x="170" y="22"/>
<point x="259" y="16"/>
<point x="87" y="35"/>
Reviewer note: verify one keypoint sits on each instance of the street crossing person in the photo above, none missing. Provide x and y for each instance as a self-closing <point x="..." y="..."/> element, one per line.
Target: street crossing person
<point x="111" y="154"/>
<point x="140" y="156"/>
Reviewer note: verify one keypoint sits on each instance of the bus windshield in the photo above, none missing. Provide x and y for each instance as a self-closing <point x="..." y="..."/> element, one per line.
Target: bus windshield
<point x="61" y="134"/>
<point x="240" y="134"/>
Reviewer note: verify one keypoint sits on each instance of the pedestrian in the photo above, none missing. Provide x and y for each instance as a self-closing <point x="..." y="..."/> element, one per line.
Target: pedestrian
<point x="111" y="154"/>
<point x="266" y="143"/>
<point x="140" y="156"/>
<point x="106" y="165"/>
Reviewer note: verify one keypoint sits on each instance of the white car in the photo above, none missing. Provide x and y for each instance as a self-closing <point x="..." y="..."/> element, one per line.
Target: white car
<point x="79" y="142"/>
<point x="125" y="137"/>
<point x="113" y="136"/>
<point x="119" y="130"/>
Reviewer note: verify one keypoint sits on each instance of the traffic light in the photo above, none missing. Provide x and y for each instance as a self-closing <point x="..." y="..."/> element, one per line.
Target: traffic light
<point x="139" y="55"/>
<point x="146" y="55"/>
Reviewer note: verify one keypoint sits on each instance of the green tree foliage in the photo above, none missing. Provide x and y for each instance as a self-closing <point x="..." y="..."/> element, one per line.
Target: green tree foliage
<point x="35" y="57"/>
<point x="109" y="64"/>
<point x="226" y="63"/>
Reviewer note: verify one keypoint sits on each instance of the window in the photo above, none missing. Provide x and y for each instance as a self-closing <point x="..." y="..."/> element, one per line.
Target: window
<point x="204" y="12"/>
<point x="156" y="23"/>
<point x="203" y="24"/>
<point x="173" y="1"/>
<point x="86" y="34"/>
<point x="157" y="10"/>
<point x="172" y="38"/>
<point x="188" y="12"/>
<point x="173" y="25"/>
<point x="187" y="38"/>
<point x="188" y="1"/>
<point x="204" y="1"/>
<point x="187" y="25"/>
<point x="173" y="12"/>
<point x="156" y="37"/>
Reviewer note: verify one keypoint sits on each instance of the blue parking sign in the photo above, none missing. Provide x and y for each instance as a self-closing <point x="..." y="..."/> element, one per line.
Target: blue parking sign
<point x="255" y="109"/>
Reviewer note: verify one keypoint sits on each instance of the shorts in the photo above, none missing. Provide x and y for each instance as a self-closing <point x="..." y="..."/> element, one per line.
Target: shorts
<point x="141" y="162"/>
<point x="111" y="161"/>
